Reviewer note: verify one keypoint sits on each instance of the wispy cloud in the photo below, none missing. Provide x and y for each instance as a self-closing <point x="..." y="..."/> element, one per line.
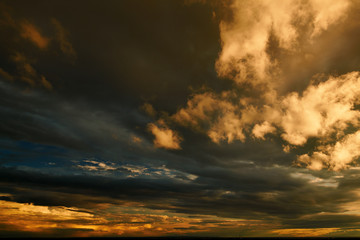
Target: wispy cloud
<point x="62" y="37"/>
<point x="32" y="33"/>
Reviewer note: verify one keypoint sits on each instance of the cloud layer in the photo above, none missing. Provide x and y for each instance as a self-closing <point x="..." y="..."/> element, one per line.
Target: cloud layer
<point x="195" y="118"/>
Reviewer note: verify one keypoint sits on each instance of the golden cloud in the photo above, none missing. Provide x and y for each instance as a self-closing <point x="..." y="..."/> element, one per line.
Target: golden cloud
<point x="31" y="32"/>
<point x="321" y="110"/>
<point x="337" y="156"/>
<point x="164" y="136"/>
<point x="305" y="232"/>
<point x="245" y="38"/>
<point x="259" y="41"/>
<point x="29" y="218"/>
<point x="260" y="130"/>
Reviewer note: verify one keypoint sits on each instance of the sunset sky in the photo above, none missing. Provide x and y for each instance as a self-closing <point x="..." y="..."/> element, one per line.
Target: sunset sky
<point x="179" y="118"/>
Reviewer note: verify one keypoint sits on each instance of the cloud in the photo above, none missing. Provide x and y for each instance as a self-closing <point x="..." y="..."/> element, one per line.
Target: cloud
<point x="6" y="75"/>
<point x="53" y="120"/>
<point x="258" y="40"/>
<point x="260" y="130"/>
<point x="245" y="38"/>
<point x="27" y="72"/>
<point x="108" y="220"/>
<point x="325" y="111"/>
<point x="327" y="13"/>
<point x="93" y="165"/>
<point x="305" y="232"/>
<point x="337" y="156"/>
<point x="322" y="109"/>
<point x="165" y="137"/>
<point x="228" y="127"/>
<point x="46" y="83"/>
<point x="62" y="37"/>
<point x="260" y="193"/>
<point x="214" y="115"/>
<point x="136" y="139"/>
<point x="90" y="134"/>
<point x="28" y="62"/>
<point x="32" y="33"/>
<point x="149" y="109"/>
<point x="25" y="69"/>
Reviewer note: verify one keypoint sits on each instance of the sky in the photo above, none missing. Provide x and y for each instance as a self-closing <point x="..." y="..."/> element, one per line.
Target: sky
<point x="179" y="118"/>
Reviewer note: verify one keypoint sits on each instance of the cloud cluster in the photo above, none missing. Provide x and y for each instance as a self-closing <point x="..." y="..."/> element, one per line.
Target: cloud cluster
<point x="258" y="39"/>
<point x="334" y="156"/>
<point x="325" y="111"/>
<point x="206" y="108"/>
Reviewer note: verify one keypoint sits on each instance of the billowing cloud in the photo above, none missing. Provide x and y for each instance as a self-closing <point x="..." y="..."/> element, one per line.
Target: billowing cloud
<point x="337" y="156"/>
<point x="256" y="42"/>
<point x="260" y="130"/>
<point x="323" y="109"/>
<point x="246" y="37"/>
<point x="206" y="108"/>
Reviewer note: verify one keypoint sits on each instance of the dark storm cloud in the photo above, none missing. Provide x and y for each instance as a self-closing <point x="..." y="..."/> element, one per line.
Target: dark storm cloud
<point x="288" y="199"/>
<point x="43" y="117"/>
<point x="326" y="221"/>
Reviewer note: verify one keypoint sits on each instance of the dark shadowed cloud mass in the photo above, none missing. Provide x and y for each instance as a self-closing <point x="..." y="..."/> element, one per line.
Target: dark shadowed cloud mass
<point x="179" y="118"/>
